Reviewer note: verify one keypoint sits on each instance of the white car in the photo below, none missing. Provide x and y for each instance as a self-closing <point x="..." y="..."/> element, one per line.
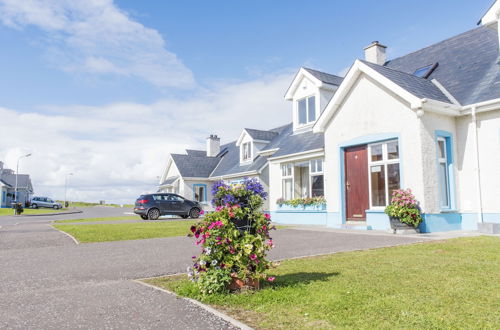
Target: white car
<point x="37" y="202"/>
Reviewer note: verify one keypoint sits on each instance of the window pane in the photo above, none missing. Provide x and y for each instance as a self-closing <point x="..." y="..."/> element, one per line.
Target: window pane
<point x="393" y="150"/>
<point x="442" y="149"/>
<point x="378" y="185"/>
<point x="376" y="151"/>
<point x="317" y="186"/>
<point x="443" y="185"/>
<point x="302" y="112"/>
<point x="319" y="166"/>
<point x="311" y="108"/>
<point x="287" y="189"/>
<point x="393" y="177"/>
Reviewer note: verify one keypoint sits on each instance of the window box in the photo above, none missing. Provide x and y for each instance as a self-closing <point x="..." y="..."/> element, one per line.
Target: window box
<point x="302" y="208"/>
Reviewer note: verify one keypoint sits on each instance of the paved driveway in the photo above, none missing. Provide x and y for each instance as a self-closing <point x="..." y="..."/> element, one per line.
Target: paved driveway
<point x="47" y="281"/>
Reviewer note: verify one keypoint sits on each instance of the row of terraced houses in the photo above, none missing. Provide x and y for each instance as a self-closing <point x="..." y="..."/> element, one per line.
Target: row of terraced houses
<point x="429" y="121"/>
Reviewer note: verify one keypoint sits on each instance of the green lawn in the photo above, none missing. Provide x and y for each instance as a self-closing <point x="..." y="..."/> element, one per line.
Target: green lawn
<point x="450" y="284"/>
<point x="9" y="211"/>
<point x="126" y="231"/>
<point x="123" y="217"/>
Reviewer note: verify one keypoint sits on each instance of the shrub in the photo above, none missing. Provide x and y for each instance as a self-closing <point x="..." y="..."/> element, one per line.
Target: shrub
<point x="405" y="207"/>
<point x="234" y="239"/>
<point x="317" y="200"/>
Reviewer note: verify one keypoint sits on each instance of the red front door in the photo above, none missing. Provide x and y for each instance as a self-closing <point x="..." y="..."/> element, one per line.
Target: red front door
<point x="356" y="182"/>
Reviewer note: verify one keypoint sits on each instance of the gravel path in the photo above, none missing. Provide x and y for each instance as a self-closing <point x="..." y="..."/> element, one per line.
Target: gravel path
<point x="49" y="282"/>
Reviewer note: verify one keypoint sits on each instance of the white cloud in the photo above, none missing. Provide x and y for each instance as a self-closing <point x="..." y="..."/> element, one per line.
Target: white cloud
<point x="116" y="151"/>
<point x="95" y="36"/>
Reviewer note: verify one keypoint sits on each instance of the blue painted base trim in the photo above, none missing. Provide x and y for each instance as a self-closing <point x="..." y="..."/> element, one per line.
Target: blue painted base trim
<point x="441" y="222"/>
<point x="377" y="220"/>
<point x="300" y="218"/>
<point x="469" y="221"/>
<point x="491" y="217"/>
<point x="334" y="220"/>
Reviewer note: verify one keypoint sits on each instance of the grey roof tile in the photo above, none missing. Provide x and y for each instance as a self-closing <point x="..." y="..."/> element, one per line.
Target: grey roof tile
<point x="469" y="64"/>
<point x="290" y="143"/>
<point x="23" y="180"/>
<point x="326" y="77"/>
<point x="420" y="87"/>
<point x="195" y="166"/>
<point x="261" y="135"/>
<point x="199" y="153"/>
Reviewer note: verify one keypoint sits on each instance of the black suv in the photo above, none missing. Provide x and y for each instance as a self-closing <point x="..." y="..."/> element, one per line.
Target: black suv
<point x="152" y="206"/>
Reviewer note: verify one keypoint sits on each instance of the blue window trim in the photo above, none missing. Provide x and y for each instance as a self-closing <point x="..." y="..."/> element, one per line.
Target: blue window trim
<point x="362" y="140"/>
<point x="204" y="191"/>
<point x="448" y="137"/>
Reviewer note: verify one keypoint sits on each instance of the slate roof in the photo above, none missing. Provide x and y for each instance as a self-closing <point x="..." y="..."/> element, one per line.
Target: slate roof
<point x="290" y="143"/>
<point x="261" y="135"/>
<point x="169" y="180"/>
<point x="325" y="77"/>
<point x="199" y="153"/>
<point x="469" y="65"/>
<point x="195" y="166"/>
<point x="230" y="163"/>
<point x="420" y="87"/>
<point x="23" y="180"/>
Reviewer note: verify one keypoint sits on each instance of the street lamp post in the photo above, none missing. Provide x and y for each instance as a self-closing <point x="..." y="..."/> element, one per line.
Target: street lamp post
<point x="17" y="174"/>
<point x="66" y="187"/>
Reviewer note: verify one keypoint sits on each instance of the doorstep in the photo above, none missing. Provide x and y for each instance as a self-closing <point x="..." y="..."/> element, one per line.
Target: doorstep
<point x="356" y="225"/>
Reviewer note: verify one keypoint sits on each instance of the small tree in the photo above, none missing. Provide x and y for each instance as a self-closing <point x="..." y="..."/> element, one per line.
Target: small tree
<point x="234" y="239"/>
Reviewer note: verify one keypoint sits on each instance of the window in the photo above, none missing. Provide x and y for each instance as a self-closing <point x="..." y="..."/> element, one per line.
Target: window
<point x="306" y="110"/>
<point x="445" y="170"/>
<point x="246" y="151"/>
<point x="425" y="71"/>
<point x="302" y="179"/>
<point x="384" y="175"/>
<point x="287" y="181"/>
<point x="317" y="180"/>
<point x="200" y="193"/>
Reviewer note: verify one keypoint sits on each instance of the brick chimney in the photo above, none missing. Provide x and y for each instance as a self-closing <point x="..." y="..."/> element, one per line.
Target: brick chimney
<point x="375" y="53"/>
<point x="213" y="145"/>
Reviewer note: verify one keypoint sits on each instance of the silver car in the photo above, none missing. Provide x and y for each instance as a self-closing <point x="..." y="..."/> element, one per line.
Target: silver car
<point x="37" y="202"/>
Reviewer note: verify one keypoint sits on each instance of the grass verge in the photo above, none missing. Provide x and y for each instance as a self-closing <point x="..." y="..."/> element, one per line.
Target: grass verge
<point x="123" y="217"/>
<point x="9" y="211"/>
<point x="450" y="284"/>
<point x="126" y="231"/>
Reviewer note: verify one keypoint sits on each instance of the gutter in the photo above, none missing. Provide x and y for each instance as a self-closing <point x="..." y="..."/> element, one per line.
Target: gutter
<point x="478" y="171"/>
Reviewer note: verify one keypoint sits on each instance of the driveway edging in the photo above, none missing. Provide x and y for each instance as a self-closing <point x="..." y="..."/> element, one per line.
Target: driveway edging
<point x="209" y="309"/>
<point x="50" y="214"/>
<point x="65" y="233"/>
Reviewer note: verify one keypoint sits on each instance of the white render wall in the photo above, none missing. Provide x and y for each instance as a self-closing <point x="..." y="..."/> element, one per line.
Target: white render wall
<point x="488" y="124"/>
<point x="370" y="109"/>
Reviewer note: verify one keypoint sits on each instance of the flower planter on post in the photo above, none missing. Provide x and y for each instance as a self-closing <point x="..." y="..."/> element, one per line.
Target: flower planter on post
<point x="234" y="240"/>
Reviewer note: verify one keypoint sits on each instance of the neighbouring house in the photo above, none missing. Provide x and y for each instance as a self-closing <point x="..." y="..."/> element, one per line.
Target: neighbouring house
<point x="8" y="187"/>
<point x="429" y="121"/>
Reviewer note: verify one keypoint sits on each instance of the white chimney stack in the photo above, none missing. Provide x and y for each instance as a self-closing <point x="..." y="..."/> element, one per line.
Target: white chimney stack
<point x="375" y="53"/>
<point x="213" y="145"/>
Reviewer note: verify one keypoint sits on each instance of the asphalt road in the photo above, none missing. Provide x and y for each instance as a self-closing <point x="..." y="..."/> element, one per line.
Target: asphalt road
<point x="49" y="282"/>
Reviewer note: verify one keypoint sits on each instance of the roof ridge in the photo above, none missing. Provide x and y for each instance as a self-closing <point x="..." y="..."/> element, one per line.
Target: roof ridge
<point x="434" y="44"/>
<point x="331" y="74"/>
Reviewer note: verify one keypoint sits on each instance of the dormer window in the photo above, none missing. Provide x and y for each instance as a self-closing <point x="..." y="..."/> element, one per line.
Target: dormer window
<point x="306" y="110"/>
<point x="246" y="151"/>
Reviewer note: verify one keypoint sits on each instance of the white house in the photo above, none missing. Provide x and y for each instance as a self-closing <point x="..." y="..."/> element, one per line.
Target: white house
<point x="429" y="121"/>
<point x="8" y="187"/>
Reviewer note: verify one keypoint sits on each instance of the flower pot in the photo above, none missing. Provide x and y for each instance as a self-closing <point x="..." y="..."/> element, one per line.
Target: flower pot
<point x="238" y="284"/>
<point x="398" y="226"/>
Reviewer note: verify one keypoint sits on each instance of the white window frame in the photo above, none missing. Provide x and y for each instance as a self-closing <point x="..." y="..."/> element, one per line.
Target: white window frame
<point x="313" y="171"/>
<point x="250" y="152"/>
<point x="444" y="161"/>
<point x="384" y="162"/>
<point x="308" y="121"/>
<point x="287" y="172"/>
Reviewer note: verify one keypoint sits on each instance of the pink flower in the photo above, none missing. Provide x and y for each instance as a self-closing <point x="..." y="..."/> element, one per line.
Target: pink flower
<point x="270" y="242"/>
<point x="231" y="214"/>
<point x="267" y="216"/>
<point x="218" y="208"/>
<point x="253" y="256"/>
<point x="271" y="278"/>
<point x="202" y="212"/>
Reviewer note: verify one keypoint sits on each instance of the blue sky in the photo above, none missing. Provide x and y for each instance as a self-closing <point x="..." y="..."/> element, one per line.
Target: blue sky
<point x="106" y="89"/>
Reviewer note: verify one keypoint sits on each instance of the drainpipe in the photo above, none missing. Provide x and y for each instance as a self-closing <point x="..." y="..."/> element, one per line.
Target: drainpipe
<point x="478" y="171"/>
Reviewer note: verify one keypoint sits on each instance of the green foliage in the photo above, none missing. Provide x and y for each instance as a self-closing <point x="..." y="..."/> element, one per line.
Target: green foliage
<point x="317" y="200"/>
<point x="450" y="284"/>
<point x="234" y="240"/>
<point x="404" y="206"/>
